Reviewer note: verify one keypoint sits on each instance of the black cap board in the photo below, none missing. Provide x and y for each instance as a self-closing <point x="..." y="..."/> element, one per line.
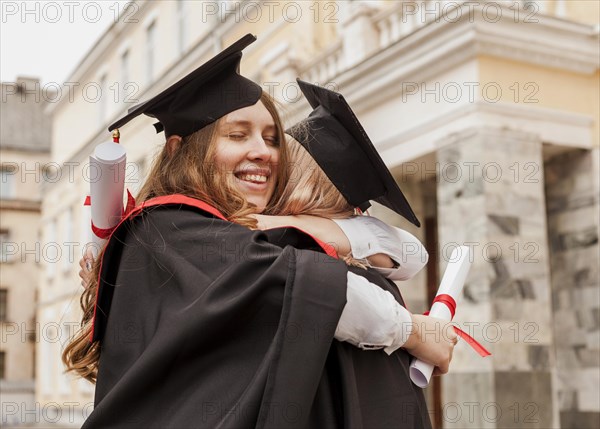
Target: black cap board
<point x="208" y="93"/>
<point x="339" y="144"/>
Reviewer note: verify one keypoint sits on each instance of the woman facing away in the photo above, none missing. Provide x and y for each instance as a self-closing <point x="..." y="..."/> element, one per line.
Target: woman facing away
<point x="372" y="385"/>
<point x="193" y="311"/>
<point x="377" y="391"/>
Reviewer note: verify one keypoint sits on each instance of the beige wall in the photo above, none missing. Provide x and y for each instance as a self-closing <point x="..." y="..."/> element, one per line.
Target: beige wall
<point x="582" y="11"/>
<point x="20" y="279"/>
<point x="20" y="274"/>
<point x="544" y="87"/>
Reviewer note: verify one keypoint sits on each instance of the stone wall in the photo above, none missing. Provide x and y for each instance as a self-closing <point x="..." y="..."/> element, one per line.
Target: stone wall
<point x="572" y="207"/>
<point x="491" y="198"/>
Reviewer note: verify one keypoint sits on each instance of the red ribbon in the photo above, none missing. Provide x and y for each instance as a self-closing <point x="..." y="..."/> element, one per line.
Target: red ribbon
<point x="104" y="233"/>
<point x="472" y="342"/>
<point x="451" y="304"/>
<point x="445" y="299"/>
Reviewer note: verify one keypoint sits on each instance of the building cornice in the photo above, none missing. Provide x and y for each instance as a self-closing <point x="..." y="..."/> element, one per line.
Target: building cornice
<point x="430" y="50"/>
<point x="17" y="149"/>
<point x="540" y="124"/>
<point x="551" y="42"/>
<point x="21" y="205"/>
<point x="439" y="46"/>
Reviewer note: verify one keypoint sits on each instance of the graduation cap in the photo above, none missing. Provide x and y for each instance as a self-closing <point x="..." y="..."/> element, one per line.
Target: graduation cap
<point x="208" y="93"/>
<point x="339" y="144"/>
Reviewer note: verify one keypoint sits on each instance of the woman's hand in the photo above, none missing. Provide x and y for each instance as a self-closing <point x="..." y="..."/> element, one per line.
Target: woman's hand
<point x="86" y="267"/>
<point x="267" y="222"/>
<point x="432" y="340"/>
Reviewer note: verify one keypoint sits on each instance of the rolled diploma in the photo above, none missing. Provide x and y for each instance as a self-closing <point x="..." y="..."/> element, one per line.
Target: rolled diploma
<point x="107" y="184"/>
<point x="452" y="284"/>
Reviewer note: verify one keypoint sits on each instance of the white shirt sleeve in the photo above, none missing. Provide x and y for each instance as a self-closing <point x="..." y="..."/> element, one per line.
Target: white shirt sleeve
<point x="372" y="319"/>
<point x="369" y="236"/>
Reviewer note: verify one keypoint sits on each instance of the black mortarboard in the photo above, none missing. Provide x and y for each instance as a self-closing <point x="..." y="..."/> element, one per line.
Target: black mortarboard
<point x="339" y="144"/>
<point x="208" y="93"/>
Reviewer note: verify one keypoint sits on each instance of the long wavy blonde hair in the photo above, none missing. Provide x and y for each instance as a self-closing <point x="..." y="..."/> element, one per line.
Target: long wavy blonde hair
<point x="189" y="170"/>
<point x="308" y="189"/>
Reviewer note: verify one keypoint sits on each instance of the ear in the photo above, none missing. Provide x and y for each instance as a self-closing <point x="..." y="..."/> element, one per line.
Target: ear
<point x="173" y="144"/>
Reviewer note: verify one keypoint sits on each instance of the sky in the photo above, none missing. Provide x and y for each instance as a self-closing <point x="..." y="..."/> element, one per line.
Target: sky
<point x="48" y="39"/>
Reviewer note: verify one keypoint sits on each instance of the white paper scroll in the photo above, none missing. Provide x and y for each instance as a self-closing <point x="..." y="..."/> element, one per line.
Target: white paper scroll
<point x="452" y="284"/>
<point x="107" y="183"/>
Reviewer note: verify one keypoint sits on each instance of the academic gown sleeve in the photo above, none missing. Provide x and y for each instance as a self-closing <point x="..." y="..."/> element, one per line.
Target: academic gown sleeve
<point x="363" y="389"/>
<point x="211" y="326"/>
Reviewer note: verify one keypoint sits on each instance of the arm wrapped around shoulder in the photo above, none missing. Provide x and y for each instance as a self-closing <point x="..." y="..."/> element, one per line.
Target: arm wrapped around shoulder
<point x="369" y="236"/>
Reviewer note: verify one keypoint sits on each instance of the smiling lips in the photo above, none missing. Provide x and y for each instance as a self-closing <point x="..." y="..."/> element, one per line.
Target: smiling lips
<point x="256" y="176"/>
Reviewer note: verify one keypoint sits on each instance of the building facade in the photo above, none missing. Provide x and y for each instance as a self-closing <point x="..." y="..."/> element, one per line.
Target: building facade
<point x="487" y="114"/>
<point x="24" y="153"/>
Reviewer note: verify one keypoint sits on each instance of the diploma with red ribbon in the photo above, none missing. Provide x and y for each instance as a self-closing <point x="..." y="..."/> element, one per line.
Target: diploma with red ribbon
<point x="444" y="307"/>
<point x="107" y="183"/>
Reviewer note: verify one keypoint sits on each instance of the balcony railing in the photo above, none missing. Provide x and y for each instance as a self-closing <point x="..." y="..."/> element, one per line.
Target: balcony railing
<point x="326" y="65"/>
<point x="397" y="21"/>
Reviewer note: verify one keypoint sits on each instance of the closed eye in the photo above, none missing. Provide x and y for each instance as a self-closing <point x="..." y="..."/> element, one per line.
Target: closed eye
<point x="272" y="140"/>
<point x="236" y="136"/>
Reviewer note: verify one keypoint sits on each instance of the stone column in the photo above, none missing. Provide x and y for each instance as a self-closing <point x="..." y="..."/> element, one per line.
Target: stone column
<point x="491" y="197"/>
<point x="572" y="205"/>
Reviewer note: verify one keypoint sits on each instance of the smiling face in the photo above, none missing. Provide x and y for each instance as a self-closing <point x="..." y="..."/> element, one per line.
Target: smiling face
<point x="247" y="148"/>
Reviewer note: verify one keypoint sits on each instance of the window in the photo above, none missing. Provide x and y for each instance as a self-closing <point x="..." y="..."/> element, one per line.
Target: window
<point x="181" y="27"/>
<point x="2" y="364"/>
<point x="64" y="379"/>
<point x="534" y="6"/>
<point x="51" y="255"/>
<point x="50" y="173"/>
<point x="102" y="100"/>
<point x="150" y="42"/>
<point x="68" y="254"/>
<point x="48" y="352"/>
<point x="6" y="246"/>
<point x="7" y="181"/>
<point x="124" y="87"/>
<point x="3" y="305"/>
<point x="124" y="67"/>
<point x="561" y="8"/>
<point x="85" y="236"/>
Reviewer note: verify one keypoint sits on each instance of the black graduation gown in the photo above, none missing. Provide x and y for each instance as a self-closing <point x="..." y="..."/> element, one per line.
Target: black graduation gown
<point x="211" y="325"/>
<point x="370" y="388"/>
